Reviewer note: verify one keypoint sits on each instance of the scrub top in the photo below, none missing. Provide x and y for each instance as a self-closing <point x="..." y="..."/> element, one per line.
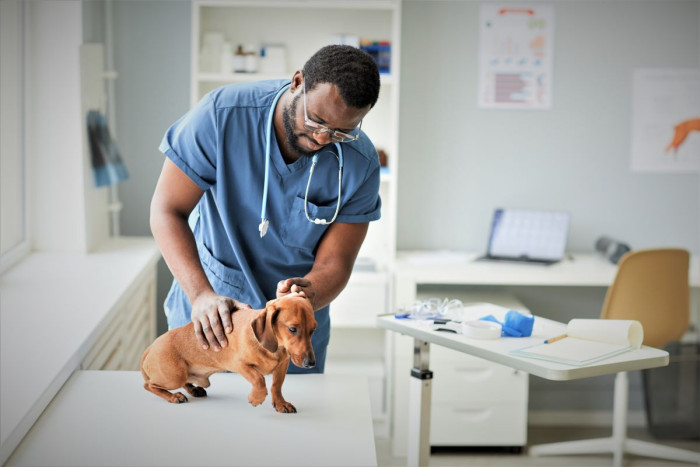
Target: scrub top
<point x="220" y="145"/>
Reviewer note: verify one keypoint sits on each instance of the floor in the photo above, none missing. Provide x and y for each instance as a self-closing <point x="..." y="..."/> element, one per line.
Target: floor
<point x="538" y="435"/>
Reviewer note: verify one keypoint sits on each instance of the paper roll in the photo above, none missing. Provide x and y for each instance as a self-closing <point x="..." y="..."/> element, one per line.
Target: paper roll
<point x="481" y="329"/>
<point x="613" y="331"/>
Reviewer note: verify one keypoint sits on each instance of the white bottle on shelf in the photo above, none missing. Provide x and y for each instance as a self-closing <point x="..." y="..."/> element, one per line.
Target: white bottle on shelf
<point x="251" y="59"/>
<point x="210" y="54"/>
<point x="239" y="60"/>
<point x="226" y="58"/>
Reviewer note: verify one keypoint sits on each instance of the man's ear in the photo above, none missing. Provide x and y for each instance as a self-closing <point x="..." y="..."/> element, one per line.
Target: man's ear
<point x="263" y="328"/>
<point x="297" y="79"/>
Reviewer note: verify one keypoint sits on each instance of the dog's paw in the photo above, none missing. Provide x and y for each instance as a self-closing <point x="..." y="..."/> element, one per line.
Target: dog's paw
<point x="282" y="406"/>
<point x="195" y="391"/>
<point x="257" y="398"/>
<point x="178" y="398"/>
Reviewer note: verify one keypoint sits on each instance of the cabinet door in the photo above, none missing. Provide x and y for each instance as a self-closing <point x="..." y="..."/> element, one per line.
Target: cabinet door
<point x="473" y="423"/>
<point x="363" y="299"/>
<point x="128" y="332"/>
<point x="460" y="377"/>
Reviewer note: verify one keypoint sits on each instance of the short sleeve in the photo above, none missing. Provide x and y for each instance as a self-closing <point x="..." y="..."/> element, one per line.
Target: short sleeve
<point x="365" y="205"/>
<point x="191" y="143"/>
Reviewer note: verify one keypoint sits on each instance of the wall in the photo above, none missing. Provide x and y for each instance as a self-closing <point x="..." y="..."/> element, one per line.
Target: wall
<point x="459" y="162"/>
<point x="152" y="57"/>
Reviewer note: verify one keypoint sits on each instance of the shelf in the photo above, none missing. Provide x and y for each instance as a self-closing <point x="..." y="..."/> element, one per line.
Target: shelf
<point x="324" y="4"/>
<point x="386" y="78"/>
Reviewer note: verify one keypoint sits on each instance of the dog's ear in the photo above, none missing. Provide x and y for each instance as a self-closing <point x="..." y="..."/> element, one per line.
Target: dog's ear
<point x="264" y="329"/>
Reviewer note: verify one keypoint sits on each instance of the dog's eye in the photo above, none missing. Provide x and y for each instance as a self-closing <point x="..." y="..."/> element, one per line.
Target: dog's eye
<point x="292" y="329"/>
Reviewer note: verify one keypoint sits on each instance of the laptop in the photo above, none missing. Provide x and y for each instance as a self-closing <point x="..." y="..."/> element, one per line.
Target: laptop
<point x="527" y="235"/>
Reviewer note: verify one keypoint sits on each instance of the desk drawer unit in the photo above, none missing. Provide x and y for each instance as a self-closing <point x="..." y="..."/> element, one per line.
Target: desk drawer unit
<point x="474" y="402"/>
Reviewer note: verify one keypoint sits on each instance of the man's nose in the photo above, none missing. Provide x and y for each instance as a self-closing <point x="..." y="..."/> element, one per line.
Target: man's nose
<point x="322" y="138"/>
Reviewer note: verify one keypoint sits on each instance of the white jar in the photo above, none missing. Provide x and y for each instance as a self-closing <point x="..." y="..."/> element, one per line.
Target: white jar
<point x="251" y="59"/>
<point x="226" y="58"/>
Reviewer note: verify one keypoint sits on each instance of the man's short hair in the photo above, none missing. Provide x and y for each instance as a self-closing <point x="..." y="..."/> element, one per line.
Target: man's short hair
<point x="351" y="70"/>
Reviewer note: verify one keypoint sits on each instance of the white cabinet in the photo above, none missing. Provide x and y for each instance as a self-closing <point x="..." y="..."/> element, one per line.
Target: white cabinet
<point x="296" y="29"/>
<point x="127" y="331"/>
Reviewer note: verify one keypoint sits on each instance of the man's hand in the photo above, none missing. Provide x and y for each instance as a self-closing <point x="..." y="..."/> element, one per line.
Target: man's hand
<point x="296" y="284"/>
<point x="211" y="316"/>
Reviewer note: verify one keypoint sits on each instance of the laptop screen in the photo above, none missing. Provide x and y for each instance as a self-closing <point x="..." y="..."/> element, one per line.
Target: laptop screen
<point x="528" y="234"/>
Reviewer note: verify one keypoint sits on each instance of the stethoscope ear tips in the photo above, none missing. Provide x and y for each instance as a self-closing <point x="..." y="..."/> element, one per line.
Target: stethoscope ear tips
<point x="320" y="221"/>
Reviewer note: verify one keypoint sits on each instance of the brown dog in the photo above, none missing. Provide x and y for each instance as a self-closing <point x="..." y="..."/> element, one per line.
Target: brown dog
<point x="261" y="343"/>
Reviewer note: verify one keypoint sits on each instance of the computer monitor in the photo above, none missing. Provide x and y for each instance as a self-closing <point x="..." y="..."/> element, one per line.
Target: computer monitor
<point x="528" y="235"/>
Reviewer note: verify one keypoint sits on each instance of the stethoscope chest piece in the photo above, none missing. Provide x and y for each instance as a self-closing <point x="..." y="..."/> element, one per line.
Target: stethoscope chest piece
<point x="263" y="227"/>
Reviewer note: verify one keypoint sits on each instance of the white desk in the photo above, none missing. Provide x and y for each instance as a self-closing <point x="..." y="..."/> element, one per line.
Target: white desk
<point x="496" y="351"/>
<point x="107" y="418"/>
<point x="444" y="267"/>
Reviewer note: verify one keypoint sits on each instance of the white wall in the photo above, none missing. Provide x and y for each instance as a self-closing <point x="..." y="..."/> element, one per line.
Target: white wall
<point x="56" y="161"/>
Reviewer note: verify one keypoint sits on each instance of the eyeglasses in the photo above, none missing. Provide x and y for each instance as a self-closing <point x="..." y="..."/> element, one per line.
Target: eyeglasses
<point x="336" y="136"/>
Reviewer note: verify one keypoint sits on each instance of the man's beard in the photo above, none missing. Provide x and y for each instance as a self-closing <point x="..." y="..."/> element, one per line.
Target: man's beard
<point x="288" y="118"/>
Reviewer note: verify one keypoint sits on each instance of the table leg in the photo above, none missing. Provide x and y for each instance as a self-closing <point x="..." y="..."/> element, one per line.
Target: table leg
<point x="419" y="406"/>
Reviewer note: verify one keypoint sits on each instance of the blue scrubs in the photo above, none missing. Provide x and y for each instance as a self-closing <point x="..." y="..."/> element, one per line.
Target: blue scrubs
<point x="220" y="145"/>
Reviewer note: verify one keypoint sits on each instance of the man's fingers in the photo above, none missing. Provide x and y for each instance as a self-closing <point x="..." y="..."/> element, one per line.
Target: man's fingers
<point x="218" y="330"/>
<point x="240" y="305"/>
<point x="200" y="335"/>
<point x="283" y="286"/>
<point x="209" y="334"/>
<point x="225" y="311"/>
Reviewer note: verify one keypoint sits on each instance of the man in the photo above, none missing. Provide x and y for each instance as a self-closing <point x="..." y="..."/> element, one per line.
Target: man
<point x="239" y="213"/>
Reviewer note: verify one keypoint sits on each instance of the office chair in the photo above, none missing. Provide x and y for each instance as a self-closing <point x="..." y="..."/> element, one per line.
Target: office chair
<point x="651" y="286"/>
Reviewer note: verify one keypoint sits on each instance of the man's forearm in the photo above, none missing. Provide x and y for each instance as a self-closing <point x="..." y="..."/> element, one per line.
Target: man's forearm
<point x="177" y="243"/>
<point x="327" y="282"/>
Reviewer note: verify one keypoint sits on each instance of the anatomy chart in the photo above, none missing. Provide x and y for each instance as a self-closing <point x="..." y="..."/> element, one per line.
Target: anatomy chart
<point x="666" y="120"/>
<point x="515" y="56"/>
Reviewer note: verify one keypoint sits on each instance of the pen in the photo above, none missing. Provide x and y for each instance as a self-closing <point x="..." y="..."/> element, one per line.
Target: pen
<point x="554" y="339"/>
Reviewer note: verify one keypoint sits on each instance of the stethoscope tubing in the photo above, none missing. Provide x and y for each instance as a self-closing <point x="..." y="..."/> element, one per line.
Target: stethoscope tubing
<point x="264" y="222"/>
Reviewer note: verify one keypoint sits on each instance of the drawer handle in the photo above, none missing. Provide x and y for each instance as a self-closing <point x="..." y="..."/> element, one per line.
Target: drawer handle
<point x="473" y="415"/>
<point x="475" y="374"/>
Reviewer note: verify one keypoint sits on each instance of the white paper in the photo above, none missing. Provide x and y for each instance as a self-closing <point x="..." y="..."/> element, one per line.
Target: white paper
<point x="515" y="56"/>
<point x="588" y="341"/>
<point x="663" y="99"/>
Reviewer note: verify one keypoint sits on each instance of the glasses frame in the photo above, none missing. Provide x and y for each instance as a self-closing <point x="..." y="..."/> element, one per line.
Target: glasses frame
<point x="336" y="136"/>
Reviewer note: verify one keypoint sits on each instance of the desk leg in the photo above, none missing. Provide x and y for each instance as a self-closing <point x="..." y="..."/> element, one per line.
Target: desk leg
<point x="419" y="406"/>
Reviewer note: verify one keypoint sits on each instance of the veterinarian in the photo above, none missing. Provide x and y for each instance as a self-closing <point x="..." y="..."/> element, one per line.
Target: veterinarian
<point x="239" y="213"/>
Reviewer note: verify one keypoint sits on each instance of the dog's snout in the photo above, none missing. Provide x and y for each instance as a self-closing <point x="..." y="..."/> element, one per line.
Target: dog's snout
<point x="309" y="361"/>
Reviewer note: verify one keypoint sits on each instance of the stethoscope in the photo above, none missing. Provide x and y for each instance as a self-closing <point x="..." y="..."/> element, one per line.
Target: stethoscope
<point x="264" y="222"/>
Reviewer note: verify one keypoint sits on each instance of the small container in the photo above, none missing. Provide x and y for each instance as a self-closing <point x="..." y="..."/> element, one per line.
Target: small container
<point x="251" y="59"/>
<point x="226" y="58"/>
<point x="239" y="60"/>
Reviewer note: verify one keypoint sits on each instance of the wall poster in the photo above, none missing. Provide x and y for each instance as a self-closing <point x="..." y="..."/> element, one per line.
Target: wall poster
<point x="665" y="120"/>
<point x="515" y="56"/>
